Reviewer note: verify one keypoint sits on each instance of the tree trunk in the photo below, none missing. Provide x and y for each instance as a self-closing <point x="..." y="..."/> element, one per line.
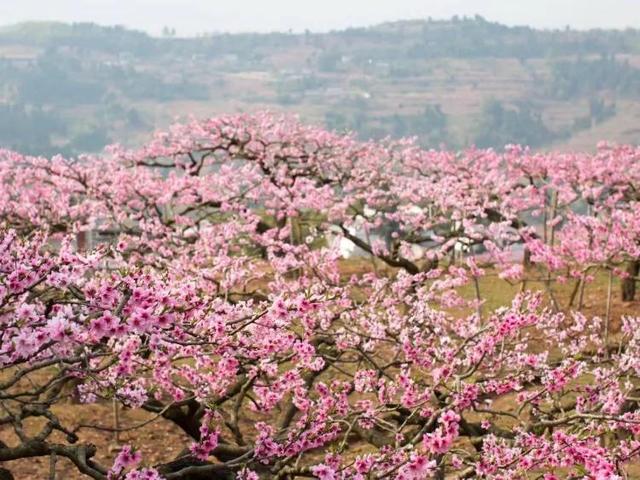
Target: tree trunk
<point x="629" y="284"/>
<point x="5" y="474"/>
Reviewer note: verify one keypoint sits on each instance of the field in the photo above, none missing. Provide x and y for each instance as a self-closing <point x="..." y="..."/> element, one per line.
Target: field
<point x="460" y="87"/>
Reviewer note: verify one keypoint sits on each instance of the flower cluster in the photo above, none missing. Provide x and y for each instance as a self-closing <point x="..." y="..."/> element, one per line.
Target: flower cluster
<point x="203" y="279"/>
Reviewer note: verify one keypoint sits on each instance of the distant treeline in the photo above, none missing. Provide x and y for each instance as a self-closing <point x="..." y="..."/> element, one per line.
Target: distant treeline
<point x="572" y="79"/>
<point x="63" y="68"/>
<point x="460" y="37"/>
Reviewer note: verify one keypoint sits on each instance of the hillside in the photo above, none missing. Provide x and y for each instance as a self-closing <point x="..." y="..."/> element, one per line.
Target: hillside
<point x="75" y="87"/>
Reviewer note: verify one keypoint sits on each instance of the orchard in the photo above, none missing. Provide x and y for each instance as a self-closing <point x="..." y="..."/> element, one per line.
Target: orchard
<point x="476" y="329"/>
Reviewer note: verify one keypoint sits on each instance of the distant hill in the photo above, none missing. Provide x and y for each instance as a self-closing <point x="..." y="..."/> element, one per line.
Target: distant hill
<point x="76" y="87"/>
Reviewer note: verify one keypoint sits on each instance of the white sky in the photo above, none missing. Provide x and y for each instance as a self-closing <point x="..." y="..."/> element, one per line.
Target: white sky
<point x="197" y="16"/>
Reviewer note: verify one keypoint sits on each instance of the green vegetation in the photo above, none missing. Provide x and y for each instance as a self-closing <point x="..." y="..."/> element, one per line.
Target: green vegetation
<point x="29" y="130"/>
<point x="571" y="79"/>
<point x="519" y="124"/>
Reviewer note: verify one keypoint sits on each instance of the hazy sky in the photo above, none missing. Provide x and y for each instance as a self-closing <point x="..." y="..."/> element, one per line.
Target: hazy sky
<point x="196" y="16"/>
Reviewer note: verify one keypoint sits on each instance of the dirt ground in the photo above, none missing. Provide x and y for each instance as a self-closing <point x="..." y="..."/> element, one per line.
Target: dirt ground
<point x="158" y="441"/>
